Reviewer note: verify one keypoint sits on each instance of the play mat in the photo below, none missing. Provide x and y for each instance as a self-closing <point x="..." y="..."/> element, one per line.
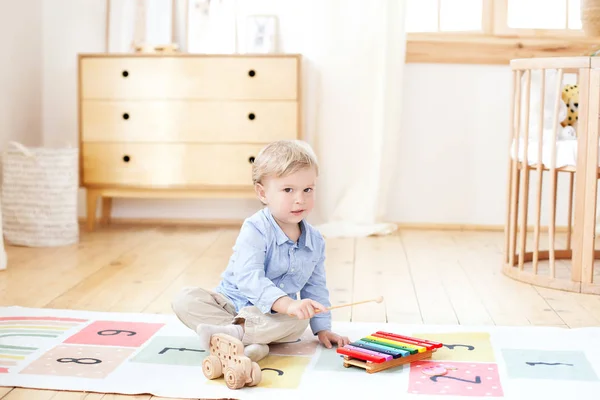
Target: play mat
<point x="156" y="354"/>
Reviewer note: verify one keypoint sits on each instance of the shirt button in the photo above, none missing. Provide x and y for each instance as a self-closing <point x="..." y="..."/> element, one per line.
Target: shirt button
<point x="292" y="269"/>
<point x="281" y="285"/>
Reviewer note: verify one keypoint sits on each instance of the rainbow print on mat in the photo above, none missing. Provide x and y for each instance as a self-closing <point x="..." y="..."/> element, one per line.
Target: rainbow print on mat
<point x="50" y="327"/>
<point x="11" y="355"/>
<point x="15" y="330"/>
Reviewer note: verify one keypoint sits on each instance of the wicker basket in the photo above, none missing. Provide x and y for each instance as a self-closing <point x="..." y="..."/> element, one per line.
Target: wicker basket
<point x="39" y="196"/>
<point x="590" y="17"/>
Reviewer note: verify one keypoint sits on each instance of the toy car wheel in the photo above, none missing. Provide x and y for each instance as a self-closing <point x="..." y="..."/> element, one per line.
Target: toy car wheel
<point x="234" y="378"/>
<point x="255" y="375"/>
<point x="211" y="367"/>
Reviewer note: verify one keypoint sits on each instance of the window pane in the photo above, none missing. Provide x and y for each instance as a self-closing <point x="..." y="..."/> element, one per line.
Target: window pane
<point x="421" y="15"/>
<point x="461" y="15"/>
<point x="574" y="14"/>
<point x="537" y="14"/>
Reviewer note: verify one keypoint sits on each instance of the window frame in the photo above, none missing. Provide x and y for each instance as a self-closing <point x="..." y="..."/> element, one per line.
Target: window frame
<point x="496" y="43"/>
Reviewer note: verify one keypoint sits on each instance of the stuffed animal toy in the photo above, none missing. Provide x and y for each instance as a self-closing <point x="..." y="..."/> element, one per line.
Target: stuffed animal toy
<point x="570" y="96"/>
<point x="567" y="133"/>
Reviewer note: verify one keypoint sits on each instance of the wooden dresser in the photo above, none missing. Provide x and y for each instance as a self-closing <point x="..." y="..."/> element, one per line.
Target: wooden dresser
<point x="183" y="125"/>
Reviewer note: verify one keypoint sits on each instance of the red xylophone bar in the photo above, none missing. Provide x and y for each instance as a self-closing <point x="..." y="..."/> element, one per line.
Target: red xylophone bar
<point x="421" y="342"/>
<point x="360" y="355"/>
<point x="387" y="357"/>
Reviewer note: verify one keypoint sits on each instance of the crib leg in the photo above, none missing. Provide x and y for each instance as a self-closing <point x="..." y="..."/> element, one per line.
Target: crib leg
<point x="591" y="182"/>
<point x="514" y="177"/>
<point x="525" y="172"/>
<point x="512" y="164"/>
<point x="580" y="184"/>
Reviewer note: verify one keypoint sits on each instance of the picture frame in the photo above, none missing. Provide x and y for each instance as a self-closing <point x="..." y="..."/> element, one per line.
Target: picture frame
<point x="261" y="34"/>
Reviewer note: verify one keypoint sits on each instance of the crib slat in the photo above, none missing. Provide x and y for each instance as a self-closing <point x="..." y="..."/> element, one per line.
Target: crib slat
<point x="525" y="171"/>
<point x="591" y="179"/>
<point x="507" y="226"/>
<point x="570" y="210"/>
<point x="514" y="198"/>
<point x="540" y="175"/>
<point x="553" y="174"/>
<point x="580" y="184"/>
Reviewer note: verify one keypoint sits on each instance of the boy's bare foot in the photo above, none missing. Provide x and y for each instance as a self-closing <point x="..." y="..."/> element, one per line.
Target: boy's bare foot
<point x="205" y="331"/>
<point x="256" y="352"/>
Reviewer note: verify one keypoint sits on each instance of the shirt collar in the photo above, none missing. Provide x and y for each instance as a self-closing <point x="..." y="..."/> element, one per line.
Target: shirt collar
<point x="304" y="239"/>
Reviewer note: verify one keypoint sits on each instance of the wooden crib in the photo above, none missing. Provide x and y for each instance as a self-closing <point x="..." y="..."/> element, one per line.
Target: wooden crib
<point x="553" y="180"/>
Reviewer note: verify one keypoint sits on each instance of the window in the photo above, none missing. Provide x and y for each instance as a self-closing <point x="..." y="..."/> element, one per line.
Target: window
<point x="538" y="17"/>
<point x="558" y="14"/>
<point x="527" y="17"/>
<point x="444" y="15"/>
<point x="494" y="31"/>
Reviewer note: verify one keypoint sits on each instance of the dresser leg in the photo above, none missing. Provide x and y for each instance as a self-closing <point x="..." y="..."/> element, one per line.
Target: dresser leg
<point x="92" y="204"/>
<point x="106" y="209"/>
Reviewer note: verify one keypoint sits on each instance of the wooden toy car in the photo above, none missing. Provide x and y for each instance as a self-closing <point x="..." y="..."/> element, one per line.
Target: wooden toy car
<point x="227" y="358"/>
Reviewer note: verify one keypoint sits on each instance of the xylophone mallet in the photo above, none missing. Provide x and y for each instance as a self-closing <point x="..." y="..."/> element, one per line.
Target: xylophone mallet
<point x="376" y="300"/>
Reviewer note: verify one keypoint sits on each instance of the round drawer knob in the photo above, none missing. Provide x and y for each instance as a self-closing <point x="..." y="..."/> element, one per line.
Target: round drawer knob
<point x="126" y="158"/>
<point x="125" y="74"/>
<point x="251" y="73"/>
<point x="251" y="159"/>
<point x="125" y="116"/>
<point x="251" y="116"/>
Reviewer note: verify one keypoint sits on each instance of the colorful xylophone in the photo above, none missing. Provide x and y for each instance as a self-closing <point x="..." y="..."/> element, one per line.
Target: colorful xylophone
<point x="383" y="350"/>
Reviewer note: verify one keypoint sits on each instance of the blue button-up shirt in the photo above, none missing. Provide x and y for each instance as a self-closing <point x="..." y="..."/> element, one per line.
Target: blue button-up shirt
<point x="267" y="265"/>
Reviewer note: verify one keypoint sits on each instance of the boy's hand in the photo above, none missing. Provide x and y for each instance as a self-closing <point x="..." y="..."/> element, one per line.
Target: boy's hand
<point x="305" y="308"/>
<point x="328" y="337"/>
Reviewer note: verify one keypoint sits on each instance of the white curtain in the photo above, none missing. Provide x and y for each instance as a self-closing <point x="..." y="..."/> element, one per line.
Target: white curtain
<point x="356" y="55"/>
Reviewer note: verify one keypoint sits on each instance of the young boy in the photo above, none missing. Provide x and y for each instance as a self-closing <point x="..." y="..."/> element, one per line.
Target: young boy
<point x="276" y="255"/>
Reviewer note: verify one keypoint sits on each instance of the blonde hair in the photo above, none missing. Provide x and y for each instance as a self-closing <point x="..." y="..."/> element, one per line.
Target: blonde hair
<point x="282" y="158"/>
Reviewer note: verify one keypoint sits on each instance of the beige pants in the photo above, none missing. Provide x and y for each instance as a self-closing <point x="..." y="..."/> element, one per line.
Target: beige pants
<point x="194" y="306"/>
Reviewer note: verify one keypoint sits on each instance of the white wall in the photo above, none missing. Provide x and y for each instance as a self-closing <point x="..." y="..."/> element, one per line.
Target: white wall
<point x="454" y="145"/>
<point x="20" y="72"/>
<point x="452" y="154"/>
<point x="454" y="148"/>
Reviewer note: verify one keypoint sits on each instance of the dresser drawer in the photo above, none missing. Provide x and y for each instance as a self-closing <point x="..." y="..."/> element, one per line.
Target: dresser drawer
<point x="188" y="121"/>
<point x="167" y="165"/>
<point x="189" y="77"/>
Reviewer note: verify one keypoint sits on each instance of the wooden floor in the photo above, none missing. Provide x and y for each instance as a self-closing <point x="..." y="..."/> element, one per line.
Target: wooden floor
<point x="426" y="277"/>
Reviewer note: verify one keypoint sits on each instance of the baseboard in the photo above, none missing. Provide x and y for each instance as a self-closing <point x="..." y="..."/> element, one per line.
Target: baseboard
<point x="237" y="223"/>
<point x="467" y="227"/>
<point x="225" y="223"/>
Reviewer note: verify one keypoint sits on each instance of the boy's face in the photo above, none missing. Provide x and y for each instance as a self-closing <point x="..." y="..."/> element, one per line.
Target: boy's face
<point x="289" y="198"/>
